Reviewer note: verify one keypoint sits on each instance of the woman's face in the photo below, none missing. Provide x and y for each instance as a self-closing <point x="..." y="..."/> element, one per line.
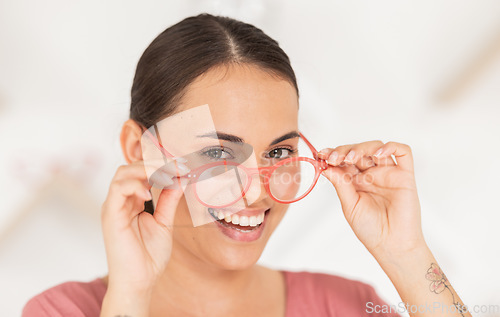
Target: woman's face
<point x="258" y="108"/>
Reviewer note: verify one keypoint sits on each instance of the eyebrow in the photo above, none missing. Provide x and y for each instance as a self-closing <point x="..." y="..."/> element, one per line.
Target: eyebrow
<point x="222" y="136"/>
<point x="289" y="135"/>
<point x="236" y="139"/>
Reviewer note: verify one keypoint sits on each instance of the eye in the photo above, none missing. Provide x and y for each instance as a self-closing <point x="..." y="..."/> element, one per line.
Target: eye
<point x="218" y="154"/>
<point x="280" y="153"/>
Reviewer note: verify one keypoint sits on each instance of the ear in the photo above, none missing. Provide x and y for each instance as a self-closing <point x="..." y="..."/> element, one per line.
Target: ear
<point x="130" y="140"/>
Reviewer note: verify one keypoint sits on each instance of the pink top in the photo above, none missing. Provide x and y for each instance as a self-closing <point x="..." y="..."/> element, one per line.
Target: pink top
<point x="308" y="294"/>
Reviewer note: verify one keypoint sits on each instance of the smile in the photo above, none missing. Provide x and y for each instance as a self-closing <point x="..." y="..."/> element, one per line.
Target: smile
<point x="239" y="227"/>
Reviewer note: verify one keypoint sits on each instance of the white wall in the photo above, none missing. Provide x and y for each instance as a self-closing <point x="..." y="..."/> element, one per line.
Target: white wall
<point x="366" y="69"/>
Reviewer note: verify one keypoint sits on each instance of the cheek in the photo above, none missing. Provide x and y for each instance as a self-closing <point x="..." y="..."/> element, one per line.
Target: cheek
<point x="275" y="216"/>
<point x="182" y="217"/>
<point x="186" y="237"/>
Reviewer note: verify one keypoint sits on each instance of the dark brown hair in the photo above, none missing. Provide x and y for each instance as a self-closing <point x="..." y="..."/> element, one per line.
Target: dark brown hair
<point x="188" y="49"/>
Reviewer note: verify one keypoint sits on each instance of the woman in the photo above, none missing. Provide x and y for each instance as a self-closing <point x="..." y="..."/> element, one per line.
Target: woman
<point x="160" y="264"/>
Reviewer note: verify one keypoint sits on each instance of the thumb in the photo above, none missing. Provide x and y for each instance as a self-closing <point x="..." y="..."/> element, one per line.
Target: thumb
<point x="343" y="183"/>
<point x="168" y="200"/>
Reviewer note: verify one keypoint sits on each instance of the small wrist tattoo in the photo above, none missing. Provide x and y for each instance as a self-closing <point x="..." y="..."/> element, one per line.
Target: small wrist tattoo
<point x="441" y="283"/>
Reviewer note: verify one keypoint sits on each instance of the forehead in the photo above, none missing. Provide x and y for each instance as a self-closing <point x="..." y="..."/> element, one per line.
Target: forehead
<point x="245" y="101"/>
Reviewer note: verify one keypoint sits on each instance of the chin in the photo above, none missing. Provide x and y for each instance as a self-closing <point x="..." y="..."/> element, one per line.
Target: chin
<point x="237" y="258"/>
<point x="225" y="244"/>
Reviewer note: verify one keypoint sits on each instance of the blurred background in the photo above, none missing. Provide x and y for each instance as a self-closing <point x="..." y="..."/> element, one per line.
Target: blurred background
<point x="425" y="73"/>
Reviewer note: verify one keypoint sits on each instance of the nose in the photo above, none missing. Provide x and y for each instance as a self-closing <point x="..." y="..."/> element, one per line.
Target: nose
<point x="257" y="190"/>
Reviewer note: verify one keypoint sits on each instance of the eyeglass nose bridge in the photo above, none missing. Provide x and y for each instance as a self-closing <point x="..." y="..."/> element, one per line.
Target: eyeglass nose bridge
<point x="264" y="171"/>
<point x="264" y="174"/>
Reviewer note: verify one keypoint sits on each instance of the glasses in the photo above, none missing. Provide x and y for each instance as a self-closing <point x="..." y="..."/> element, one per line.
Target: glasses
<point x="222" y="184"/>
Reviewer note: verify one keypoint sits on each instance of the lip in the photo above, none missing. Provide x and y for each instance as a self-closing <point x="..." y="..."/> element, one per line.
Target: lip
<point x="243" y="236"/>
<point x="245" y="212"/>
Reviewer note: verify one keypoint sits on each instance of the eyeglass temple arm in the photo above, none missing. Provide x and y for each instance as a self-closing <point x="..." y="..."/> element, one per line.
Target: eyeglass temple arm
<point x="160" y="147"/>
<point x="311" y="147"/>
<point x="156" y="143"/>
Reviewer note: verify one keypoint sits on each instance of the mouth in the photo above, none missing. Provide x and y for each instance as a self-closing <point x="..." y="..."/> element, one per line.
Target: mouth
<point x="239" y="227"/>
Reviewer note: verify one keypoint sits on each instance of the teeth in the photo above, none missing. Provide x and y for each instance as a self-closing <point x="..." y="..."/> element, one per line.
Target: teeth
<point x="260" y="218"/>
<point x="252" y="221"/>
<point x="244" y="221"/>
<point x="235" y="219"/>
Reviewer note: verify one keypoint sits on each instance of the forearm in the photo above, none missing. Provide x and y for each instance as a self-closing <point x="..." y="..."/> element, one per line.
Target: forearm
<point x="123" y="303"/>
<point x="424" y="292"/>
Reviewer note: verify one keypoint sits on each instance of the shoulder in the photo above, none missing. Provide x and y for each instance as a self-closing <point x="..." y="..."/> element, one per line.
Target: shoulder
<point x="329" y="295"/>
<point x="73" y="298"/>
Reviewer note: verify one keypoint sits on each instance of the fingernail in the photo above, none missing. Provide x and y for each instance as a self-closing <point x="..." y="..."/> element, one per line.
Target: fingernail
<point x="322" y="153"/>
<point x="379" y="151"/>
<point x="180" y="159"/>
<point x="350" y="156"/>
<point x="333" y="157"/>
<point x="166" y="179"/>
<point x="183" y="168"/>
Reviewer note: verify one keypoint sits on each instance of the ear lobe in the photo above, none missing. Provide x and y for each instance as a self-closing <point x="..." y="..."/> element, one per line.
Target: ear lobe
<point x="130" y="140"/>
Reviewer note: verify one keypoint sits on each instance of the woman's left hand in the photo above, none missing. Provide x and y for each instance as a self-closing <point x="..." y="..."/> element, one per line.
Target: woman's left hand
<point x="378" y="195"/>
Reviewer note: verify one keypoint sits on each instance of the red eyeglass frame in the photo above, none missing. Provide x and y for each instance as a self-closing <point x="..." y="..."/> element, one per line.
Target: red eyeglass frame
<point x="319" y="166"/>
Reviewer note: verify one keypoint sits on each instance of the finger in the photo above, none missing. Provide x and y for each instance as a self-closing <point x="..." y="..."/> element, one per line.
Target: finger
<point x="128" y="187"/>
<point x="365" y="163"/>
<point x="160" y="179"/>
<point x="324" y="153"/>
<point x="342" y="180"/>
<point x="364" y="181"/>
<point x="356" y="154"/>
<point x="383" y="161"/>
<point x="336" y="155"/>
<point x="167" y="202"/>
<point x="174" y="167"/>
<point x="361" y="154"/>
<point x="401" y="152"/>
<point x="121" y="192"/>
<point x="132" y="170"/>
<point x="163" y="177"/>
<point x="357" y="151"/>
<point x="144" y="170"/>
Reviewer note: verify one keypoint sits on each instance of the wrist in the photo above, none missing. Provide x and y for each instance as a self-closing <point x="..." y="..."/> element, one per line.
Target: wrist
<point x="399" y="252"/>
<point x="133" y="285"/>
<point x="120" y="301"/>
<point x="403" y="265"/>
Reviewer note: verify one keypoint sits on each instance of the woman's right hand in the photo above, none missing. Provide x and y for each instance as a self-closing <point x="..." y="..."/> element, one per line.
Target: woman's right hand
<point x="138" y="245"/>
